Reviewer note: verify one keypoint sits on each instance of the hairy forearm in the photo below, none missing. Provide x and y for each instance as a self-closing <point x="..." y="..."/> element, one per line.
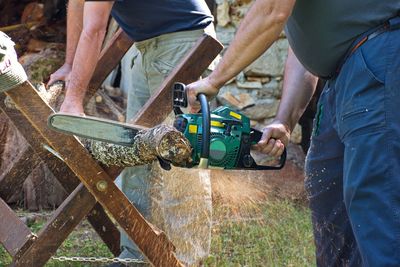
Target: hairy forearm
<point x="298" y="88"/>
<point x="258" y="30"/>
<point x="88" y="50"/>
<point x="86" y="57"/>
<point x="74" y="28"/>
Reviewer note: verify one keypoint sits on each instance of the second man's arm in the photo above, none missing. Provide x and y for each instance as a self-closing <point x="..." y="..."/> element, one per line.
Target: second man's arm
<point x="95" y="19"/>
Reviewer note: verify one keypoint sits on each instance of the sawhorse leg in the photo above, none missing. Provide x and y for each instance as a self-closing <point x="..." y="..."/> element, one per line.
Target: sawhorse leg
<point x="59" y="226"/>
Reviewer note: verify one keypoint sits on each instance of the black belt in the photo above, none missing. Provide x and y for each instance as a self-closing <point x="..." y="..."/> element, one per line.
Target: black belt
<point x="390" y="25"/>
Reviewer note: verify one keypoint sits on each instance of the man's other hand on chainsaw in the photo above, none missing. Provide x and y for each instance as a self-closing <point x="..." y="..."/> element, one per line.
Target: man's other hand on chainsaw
<point x="204" y="86"/>
<point x="274" y="140"/>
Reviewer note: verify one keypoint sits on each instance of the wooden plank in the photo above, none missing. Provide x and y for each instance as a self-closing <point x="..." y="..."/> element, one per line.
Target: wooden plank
<point x="151" y="241"/>
<point x="109" y="58"/>
<point x="60" y="225"/>
<point x="14" y="234"/>
<point x="15" y="177"/>
<point x="64" y="175"/>
<point x="189" y="70"/>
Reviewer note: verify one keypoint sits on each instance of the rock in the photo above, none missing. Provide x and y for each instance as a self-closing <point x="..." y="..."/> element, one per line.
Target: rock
<point x="258" y="79"/>
<point x="239" y="10"/>
<point x="272" y="62"/>
<point x="232" y="88"/>
<point x="225" y="34"/>
<point x="272" y="89"/>
<point x="238" y="101"/>
<point x="223" y="17"/>
<point x="264" y="108"/>
<point x="249" y="85"/>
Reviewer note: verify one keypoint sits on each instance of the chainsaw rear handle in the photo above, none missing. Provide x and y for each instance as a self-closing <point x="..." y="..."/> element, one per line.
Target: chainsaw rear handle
<point x="180" y="100"/>
<point x="255" y="137"/>
<point x="282" y="161"/>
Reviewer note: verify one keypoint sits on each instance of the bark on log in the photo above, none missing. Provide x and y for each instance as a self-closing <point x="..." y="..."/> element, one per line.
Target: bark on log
<point x="161" y="141"/>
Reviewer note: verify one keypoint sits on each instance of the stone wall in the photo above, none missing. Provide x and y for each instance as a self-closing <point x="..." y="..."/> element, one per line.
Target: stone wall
<point x="255" y="91"/>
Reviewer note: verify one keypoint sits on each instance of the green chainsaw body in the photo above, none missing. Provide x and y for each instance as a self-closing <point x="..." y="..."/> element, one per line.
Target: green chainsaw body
<point x="229" y="134"/>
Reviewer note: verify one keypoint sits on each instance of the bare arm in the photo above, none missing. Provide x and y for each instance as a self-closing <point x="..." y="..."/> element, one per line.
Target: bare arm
<point x="74" y="28"/>
<point x="298" y="88"/>
<point x="95" y="18"/>
<point x="258" y="30"/>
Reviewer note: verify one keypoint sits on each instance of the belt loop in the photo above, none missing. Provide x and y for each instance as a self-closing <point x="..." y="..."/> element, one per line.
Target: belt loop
<point x="394" y="23"/>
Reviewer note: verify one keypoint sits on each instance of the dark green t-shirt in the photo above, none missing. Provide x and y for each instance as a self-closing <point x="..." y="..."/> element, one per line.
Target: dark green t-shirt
<point x="320" y="32"/>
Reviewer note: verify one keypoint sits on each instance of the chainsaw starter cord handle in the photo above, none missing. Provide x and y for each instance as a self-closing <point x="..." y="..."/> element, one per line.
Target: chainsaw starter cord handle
<point x="205" y="148"/>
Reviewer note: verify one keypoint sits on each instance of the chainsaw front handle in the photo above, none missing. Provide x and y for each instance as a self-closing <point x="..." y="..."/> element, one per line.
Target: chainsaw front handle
<point x="206" y="128"/>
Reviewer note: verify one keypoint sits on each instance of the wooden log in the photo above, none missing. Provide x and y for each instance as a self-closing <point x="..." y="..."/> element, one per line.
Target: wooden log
<point x="158" y="107"/>
<point x="150" y="240"/>
<point x="162" y="141"/>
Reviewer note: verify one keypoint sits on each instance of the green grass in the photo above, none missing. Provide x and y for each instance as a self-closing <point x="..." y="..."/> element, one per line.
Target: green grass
<point x="279" y="234"/>
<point x="282" y="237"/>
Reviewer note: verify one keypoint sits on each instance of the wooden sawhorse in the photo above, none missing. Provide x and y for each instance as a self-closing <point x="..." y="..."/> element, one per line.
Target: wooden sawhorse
<point x="73" y="165"/>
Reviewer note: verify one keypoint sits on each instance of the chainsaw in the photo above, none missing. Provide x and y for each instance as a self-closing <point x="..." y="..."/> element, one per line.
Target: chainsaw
<point x="221" y="138"/>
